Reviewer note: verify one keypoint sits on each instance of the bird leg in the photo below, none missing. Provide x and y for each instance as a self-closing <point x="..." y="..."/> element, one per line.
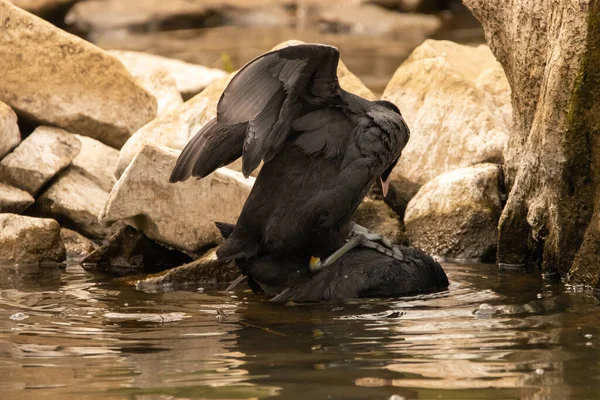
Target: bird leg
<point x="359" y="236"/>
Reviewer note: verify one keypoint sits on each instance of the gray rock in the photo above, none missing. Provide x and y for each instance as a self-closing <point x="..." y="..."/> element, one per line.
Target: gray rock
<point x="27" y="240"/>
<point x="206" y="269"/>
<point x="97" y="161"/>
<point x="190" y="79"/>
<point x="129" y="252"/>
<point x="68" y="82"/>
<point x="38" y="158"/>
<point x="378" y="217"/>
<point x="13" y="200"/>
<point x="456" y="102"/>
<point x="77" y="245"/>
<point x="10" y="136"/>
<point x="456" y="214"/>
<point x="180" y="215"/>
<point x="76" y="200"/>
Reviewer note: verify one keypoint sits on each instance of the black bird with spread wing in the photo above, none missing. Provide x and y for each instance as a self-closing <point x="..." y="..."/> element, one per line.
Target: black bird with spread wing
<point x="322" y="148"/>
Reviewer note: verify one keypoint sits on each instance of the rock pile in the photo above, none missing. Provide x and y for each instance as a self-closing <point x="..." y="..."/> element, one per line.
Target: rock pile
<point x="110" y="126"/>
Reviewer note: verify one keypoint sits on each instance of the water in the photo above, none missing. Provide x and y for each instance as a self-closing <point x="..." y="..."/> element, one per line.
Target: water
<point x="490" y="336"/>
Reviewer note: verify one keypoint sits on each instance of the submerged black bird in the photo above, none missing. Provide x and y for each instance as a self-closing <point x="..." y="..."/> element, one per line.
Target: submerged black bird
<point x="322" y="148"/>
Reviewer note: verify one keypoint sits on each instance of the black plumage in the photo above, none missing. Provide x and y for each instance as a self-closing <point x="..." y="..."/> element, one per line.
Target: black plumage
<point x="322" y="148"/>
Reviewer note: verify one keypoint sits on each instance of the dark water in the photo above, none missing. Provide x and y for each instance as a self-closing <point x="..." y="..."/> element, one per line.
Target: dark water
<point x="490" y="336"/>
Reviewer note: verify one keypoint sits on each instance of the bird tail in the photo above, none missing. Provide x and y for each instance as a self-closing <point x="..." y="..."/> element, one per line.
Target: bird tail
<point x="225" y="229"/>
<point x="214" y="146"/>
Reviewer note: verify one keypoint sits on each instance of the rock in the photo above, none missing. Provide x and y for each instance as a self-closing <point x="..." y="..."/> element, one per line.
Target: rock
<point x="206" y="269"/>
<point x="456" y="102"/>
<point x="175" y="129"/>
<point x="129" y="252"/>
<point x="76" y="201"/>
<point x="14" y="200"/>
<point x="68" y="82"/>
<point x="97" y="162"/>
<point x="378" y="217"/>
<point x="190" y="79"/>
<point x="180" y="215"/>
<point x="10" y="136"/>
<point x="40" y="7"/>
<point x="77" y="245"/>
<point x="38" y="158"/>
<point x="552" y="160"/>
<point x="371" y="20"/>
<point x="400" y="192"/>
<point x="27" y="240"/>
<point x="455" y="215"/>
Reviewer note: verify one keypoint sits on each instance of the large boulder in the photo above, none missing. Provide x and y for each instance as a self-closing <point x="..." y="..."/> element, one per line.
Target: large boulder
<point x="456" y="102"/>
<point x="38" y="158"/>
<point x="14" y="200"/>
<point x="455" y="215"/>
<point x="180" y="215"/>
<point x="28" y="240"/>
<point x="190" y="79"/>
<point x="75" y="200"/>
<point x="176" y="128"/>
<point x="9" y="130"/>
<point x="97" y="162"/>
<point x="67" y="81"/>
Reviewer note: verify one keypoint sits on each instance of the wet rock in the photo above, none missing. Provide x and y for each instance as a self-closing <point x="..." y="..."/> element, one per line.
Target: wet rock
<point x="30" y="240"/>
<point x="456" y="214"/>
<point x="14" y="200"/>
<point x="190" y="79"/>
<point x="456" y="101"/>
<point x="77" y="245"/>
<point x="96" y="161"/>
<point x="175" y="129"/>
<point x="378" y="217"/>
<point x="180" y="215"/>
<point x="130" y="252"/>
<point x="371" y="20"/>
<point x="76" y="201"/>
<point x="40" y="7"/>
<point x="206" y="269"/>
<point x="10" y="136"/>
<point x="38" y="158"/>
<point x="67" y="81"/>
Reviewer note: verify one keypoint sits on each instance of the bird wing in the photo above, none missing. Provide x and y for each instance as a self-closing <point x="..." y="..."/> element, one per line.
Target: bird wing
<point x="274" y="90"/>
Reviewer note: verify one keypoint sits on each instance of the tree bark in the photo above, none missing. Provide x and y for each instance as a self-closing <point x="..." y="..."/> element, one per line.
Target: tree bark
<point x="550" y="51"/>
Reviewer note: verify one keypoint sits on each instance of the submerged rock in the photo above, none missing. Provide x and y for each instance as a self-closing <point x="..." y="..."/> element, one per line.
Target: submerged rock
<point x="38" y="158"/>
<point x="180" y="215"/>
<point x="10" y="136"/>
<point x="175" y="129"/>
<point x="14" y="200"/>
<point x="77" y="245"/>
<point x="28" y="240"/>
<point x="378" y="217"/>
<point x="96" y="161"/>
<point x="206" y="269"/>
<point x="456" y="102"/>
<point x="190" y="79"/>
<point x="68" y="82"/>
<point x="130" y="252"/>
<point x="75" y="200"/>
<point x="456" y="214"/>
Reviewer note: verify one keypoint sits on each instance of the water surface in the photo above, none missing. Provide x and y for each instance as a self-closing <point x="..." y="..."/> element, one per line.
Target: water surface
<point x="68" y="335"/>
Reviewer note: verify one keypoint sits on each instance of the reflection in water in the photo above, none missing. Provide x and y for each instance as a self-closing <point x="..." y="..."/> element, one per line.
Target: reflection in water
<point x="489" y="336"/>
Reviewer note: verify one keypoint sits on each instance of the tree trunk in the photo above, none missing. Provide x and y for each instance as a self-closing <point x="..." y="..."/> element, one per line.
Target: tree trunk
<point x="550" y="51"/>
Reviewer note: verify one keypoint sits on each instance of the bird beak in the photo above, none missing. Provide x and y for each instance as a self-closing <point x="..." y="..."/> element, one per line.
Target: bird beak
<point x="385" y="186"/>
